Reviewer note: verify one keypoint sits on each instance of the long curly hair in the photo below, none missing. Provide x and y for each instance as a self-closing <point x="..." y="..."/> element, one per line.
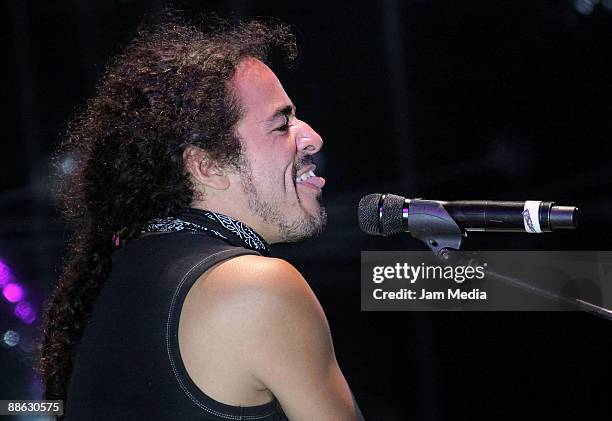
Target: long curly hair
<point x="168" y="89"/>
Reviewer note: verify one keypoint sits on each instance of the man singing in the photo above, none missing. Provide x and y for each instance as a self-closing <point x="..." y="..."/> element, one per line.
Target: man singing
<point x="168" y="306"/>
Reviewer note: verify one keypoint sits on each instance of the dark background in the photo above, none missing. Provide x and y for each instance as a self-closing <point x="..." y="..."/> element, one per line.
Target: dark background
<point x="445" y="100"/>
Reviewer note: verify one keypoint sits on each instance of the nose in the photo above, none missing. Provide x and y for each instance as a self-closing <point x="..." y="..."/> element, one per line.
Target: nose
<point x="307" y="140"/>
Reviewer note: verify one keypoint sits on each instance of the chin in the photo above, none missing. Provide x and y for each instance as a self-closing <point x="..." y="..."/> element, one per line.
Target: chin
<point x="307" y="226"/>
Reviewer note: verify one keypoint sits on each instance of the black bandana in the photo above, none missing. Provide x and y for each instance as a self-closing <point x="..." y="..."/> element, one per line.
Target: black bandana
<point x="212" y="223"/>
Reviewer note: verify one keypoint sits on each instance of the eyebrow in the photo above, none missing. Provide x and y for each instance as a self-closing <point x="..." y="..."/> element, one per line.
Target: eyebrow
<point x="287" y="110"/>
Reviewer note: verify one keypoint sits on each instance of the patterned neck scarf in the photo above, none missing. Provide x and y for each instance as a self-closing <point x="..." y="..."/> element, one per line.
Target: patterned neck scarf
<point x="212" y="223"/>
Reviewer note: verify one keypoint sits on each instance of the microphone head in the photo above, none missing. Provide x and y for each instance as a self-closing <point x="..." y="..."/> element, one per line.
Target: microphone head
<point x="381" y="214"/>
<point x="368" y="213"/>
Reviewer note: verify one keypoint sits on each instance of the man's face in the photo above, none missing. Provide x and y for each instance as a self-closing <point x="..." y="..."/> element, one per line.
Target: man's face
<point x="277" y="148"/>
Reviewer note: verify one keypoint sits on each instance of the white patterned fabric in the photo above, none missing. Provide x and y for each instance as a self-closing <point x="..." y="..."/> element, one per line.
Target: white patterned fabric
<point x="216" y="224"/>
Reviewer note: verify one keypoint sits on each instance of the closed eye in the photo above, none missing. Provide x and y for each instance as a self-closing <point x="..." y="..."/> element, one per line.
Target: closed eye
<point x="285" y="127"/>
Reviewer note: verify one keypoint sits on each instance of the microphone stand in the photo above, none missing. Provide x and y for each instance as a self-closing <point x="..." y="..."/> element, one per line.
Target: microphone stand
<point x="441" y="234"/>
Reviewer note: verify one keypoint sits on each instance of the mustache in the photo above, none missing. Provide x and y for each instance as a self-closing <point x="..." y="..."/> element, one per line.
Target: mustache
<point x="303" y="162"/>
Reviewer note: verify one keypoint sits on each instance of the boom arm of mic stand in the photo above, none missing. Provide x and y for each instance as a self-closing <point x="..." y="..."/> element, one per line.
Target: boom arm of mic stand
<point x="452" y="257"/>
<point x="431" y="224"/>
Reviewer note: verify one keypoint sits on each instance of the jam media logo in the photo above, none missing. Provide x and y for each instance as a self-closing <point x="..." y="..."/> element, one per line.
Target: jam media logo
<point x="528" y="221"/>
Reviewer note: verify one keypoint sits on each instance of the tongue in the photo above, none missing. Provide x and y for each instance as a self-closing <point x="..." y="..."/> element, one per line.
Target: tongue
<point x="316" y="181"/>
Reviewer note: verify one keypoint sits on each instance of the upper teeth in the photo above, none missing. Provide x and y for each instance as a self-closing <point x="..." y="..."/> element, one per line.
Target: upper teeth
<point x="305" y="176"/>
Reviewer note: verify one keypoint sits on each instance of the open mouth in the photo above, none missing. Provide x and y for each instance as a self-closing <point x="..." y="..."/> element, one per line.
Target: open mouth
<point x="308" y="177"/>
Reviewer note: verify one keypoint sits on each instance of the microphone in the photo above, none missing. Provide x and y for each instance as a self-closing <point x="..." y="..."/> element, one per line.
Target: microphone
<point x="389" y="214"/>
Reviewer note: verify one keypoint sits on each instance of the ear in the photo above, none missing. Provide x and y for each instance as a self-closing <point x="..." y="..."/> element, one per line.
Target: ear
<point x="204" y="170"/>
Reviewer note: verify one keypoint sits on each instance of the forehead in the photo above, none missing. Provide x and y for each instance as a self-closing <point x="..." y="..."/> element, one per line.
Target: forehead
<point x="258" y="89"/>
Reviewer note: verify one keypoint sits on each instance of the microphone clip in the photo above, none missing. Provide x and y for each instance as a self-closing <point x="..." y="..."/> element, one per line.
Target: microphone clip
<point x="431" y="224"/>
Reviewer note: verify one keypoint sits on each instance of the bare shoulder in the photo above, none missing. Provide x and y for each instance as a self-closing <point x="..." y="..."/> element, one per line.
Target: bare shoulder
<point x="267" y="271"/>
<point x="230" y="315"/>
<point x="262" y="287"/>
<point x="267" y="311"/>
<point x="267" y="306"/>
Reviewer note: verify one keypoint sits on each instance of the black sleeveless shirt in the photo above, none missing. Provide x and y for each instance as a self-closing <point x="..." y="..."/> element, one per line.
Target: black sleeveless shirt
<point x="127" y="365"/>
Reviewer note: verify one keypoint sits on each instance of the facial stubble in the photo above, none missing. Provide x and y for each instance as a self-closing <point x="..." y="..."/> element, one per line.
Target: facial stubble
<point x="303" y="227"/>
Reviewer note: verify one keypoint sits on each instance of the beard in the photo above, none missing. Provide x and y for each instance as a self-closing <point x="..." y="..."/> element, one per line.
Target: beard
<point x="290" y="230"/>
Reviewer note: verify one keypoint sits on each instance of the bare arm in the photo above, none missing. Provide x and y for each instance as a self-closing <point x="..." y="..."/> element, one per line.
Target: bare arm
<point x="270" y="307"/>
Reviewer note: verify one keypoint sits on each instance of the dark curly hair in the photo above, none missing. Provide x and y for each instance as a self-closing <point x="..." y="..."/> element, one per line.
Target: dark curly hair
<point x="168" y="89"/>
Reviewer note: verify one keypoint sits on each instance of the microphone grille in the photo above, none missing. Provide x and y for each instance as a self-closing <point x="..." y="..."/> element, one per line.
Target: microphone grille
<point x="368" y="214"/>
<point x="370" y="208"/>
<point x="393" y="207"/>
